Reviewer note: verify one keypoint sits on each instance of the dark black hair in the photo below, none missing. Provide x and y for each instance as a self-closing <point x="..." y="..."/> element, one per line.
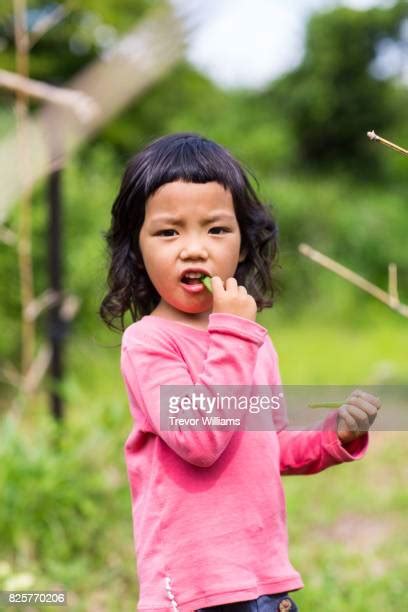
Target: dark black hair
<point x="194" y="159"/>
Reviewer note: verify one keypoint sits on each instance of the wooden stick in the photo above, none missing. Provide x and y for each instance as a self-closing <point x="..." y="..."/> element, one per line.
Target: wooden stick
<point x="83" y="105"/>
<point x="47" y="299"/>
<point x="10" y="375"/>
<point x="69" y="307"/>
<point x="393" y="283"/>
<point x="44" y="24"/>
<point x="24" y="238"/>
<point x="354" y="278"/>
<point x="37" y="371"/>
<point x="373" y="136"/>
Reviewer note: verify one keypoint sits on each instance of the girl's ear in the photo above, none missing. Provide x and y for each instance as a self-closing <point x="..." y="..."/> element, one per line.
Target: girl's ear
<point x="243" y="255"/>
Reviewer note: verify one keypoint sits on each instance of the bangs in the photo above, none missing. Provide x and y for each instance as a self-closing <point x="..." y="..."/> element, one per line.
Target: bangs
<point x="192" y="159"/>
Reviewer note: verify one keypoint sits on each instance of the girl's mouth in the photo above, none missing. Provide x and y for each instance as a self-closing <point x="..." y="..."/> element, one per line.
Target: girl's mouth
<point x="192" y="285"/>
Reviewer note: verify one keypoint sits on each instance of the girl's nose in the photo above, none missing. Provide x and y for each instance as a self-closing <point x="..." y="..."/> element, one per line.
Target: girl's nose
<point x="194" y="248"/>
<point x="187" y="253"/>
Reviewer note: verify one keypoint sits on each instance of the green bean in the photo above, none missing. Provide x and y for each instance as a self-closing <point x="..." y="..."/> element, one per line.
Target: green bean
<point x="325" y="405"/>
<point x="206" y="280"/>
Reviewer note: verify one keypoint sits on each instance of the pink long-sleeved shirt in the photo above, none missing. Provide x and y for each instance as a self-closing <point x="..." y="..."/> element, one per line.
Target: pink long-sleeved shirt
<point x="209" y="518"/>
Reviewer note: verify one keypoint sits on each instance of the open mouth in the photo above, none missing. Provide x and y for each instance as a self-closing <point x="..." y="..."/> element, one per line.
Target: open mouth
<point x="191" y="281"/>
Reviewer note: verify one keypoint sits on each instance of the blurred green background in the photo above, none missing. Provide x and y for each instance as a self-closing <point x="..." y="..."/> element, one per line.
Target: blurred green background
<point x="65" y="516"/>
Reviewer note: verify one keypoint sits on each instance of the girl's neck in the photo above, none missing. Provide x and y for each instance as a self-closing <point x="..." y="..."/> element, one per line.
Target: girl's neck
<point x="199" y="320"/>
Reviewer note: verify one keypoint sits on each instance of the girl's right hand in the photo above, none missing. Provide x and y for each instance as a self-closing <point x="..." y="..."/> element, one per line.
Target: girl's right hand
<point x="234" y="299"/>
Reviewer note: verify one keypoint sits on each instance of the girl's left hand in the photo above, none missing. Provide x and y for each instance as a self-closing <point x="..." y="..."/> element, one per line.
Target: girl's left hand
<point x="356" y="415"/>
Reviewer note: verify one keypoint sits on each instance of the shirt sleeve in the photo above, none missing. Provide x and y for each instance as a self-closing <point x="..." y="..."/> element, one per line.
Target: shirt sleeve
<point x="149" y="362"/>
<point x="311" y="451"/>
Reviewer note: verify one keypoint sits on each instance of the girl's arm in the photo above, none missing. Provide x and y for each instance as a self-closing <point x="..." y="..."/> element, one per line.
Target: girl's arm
<point x="311" y="451"/>
<point x="151" y="361"/>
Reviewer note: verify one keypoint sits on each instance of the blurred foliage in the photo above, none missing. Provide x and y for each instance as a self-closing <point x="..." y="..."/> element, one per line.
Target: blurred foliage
<point x="63" y="491"/>
<point x="334" y="98"/>
<point x="320" y="111"/>
<point x="87" y="28"/>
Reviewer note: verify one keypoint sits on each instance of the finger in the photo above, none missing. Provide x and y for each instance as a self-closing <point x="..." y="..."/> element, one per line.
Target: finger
<point x="217" y="283"/>
<point x="364" y="405"/>
<point x="344" y="415"/>
<point x="359" y="416"/>
<point x="346" y="425"/>
<point x="372" y="399"/>
<point x="231" y="284"/>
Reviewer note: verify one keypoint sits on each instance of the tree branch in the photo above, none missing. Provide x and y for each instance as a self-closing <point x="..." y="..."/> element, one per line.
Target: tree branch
<point x="83" y="105"/>
<point x="390" y="299"/>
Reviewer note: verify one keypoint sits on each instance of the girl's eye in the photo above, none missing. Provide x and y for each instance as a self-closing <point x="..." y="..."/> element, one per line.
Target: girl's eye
<point x="162" y="231"/>
<point x="224" y="229"/>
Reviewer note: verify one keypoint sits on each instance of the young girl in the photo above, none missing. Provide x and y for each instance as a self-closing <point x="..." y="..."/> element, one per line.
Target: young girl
<point x="208" y="505"/>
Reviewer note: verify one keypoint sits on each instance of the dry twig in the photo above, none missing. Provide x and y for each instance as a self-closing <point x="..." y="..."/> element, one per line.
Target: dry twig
<point x="44" y="24"/>
<point x="373" y="136"/>
<point x="24" y="243"/>
<point x="83" y="105"/>
<point x="69" y="305"/>
<point x="390" y="299"/>
<point x="42" y="302"/>
<point x="38" y="368"/>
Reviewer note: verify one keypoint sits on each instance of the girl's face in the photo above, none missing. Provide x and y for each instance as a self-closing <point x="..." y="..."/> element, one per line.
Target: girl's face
<point x="189" y="225"/>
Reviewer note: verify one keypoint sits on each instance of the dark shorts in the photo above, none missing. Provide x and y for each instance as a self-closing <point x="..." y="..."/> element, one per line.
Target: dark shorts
<point x="279" y="602"/>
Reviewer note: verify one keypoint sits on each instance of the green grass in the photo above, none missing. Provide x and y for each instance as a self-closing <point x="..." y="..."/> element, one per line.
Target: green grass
<point x="316" y="351"/>
<point x="347" y="530"/>
<point x="65" y="517"/>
